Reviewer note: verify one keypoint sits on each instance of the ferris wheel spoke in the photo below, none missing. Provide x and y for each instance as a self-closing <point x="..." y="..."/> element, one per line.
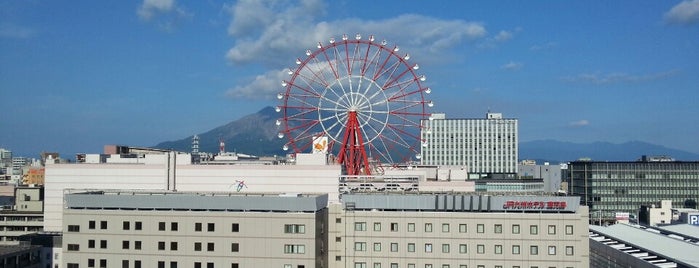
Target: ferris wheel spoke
<point x="330" y="64"/>
<point x="364" y="62"/>
<point x="387" y="72"/>
<point x="380" y="68"/>
<point x="402" y="86"/>
<point x="382" y="153"/>
<point x="396" y="78"/>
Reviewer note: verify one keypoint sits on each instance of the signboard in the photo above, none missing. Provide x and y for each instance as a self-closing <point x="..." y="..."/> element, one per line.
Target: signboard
<point x="320" y="145"/>
<point x="693" y="219"/>
<point x="622" y="217"/>
<point x="534" y="203"/>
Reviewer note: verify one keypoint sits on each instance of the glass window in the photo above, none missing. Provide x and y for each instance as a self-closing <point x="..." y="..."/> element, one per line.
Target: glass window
<point x="411" y="247"/>
<point x="569" y="250"/>
<point x="235" y="247"/>
<point x="360" y="226"/>
<point x="394" y="227"/>
<point x="161" y="226"/>
<point x="411" y="227"/>
<point x="377" y="246"/>
<point x="294" y="228"/>
<point x="235" y="228"/>
<point x="137" y="245"/>
<point x="428" y="227"/>
<point x="445" y="227"/>
<point x="463" y="248"/>
<point x="210" y="246"/>
<point x="377" y="265"/>
<point x="445" y="248"/>
<point x="139" y="225"/>
<point x="126" y="225"/>
<point x="480" y="249"/>
<point x="359" y="246"/>
<point x="498" y="249"/>
<point x="103" y="225"/>
<point x="552" y="229"/>
<point x="569" y="229"/>
<point x="480" y="228"/>
<point x="197" y="246"/>
<point x="515" y="228"/>
<point x="161" y="245"/>
<point x="125" y="244"/>
<point x="462" y="228"/>
<point x="552" y="250"/>
<point x="497" y="228"/>
<point x="377" y="226"/>
<point x="515" y="249"/>
<point x="211" y="227"/>
<point x="534" y="250"/>
<point x="197" y="227"/>
<point x="360" y="265"/>
<point x="173" y="226"/>
<point x="428" y="247"/>
<point x="394" y="247"/>
<point x="91" y="224"/>
<point x="533" y="229"/>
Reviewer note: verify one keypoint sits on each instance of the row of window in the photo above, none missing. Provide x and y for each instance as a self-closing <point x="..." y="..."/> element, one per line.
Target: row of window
<point x="463" y="228"/>
<point x="463" y="248"/>
<point x="137" y="245"/>
<point x="137" y="264"/>
<point x="174" y="226"/>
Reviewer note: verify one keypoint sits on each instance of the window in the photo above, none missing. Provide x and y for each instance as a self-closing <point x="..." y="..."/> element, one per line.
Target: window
<point x="338" y="239"/>
<point x="462" y="228"/>
<point x="198" y="265"/>
<point x="139" y="226"/>
<point x="137" y="245"/>
<point x="377" y="226"/>
<point x="463" y="248"/>
<point x="428" y="248"/>
<point x="125" y="244"/>
<point x="197" y="246"/>
<point x="103" y="243"/>
<point x="338" y="220"/>
<point x="161" y="245"/>
<point x="569" y="229"/>
<point x="90" y="262"/>
<point x="360" y="265"/>
<point x="377" y="246"/>
<point x="235" y="247"/>
<point x="394" y="265"/>
<point x="377" y="265"/>
<point x="569" y="250"/>
<point x="394" y="227"/>
<point x="428" y="227"/>
<point x="552" y="229"/>
<point x="428" y="265"/>
<point x="161" y="264"/>
<point x="497" y="228"/>
<point x="411" y="227"/>
<point x="235" y="228"/>
<point x="161" y="226"/>
<point x="515" y="228"/>
<point x="91" y="225"/>
<point x="73" y="247"/>
<point x="173" y="264"/>
<point x="534" y="250"/>
<point x="126" y="225"/>
<point x="210" y="246"/>
<point x="73" y="228"/>
<point x="445" y="227"/>
<point x="72" y="265"/>
<point x="411" y="247"/>
<point x="137" y="264"/>
<point x="480" y="228"/>
<point x="294" y="228"/>
<point x="445" y="248"/>
<point x="480" y="249"/>
<point x="103" y="225"/>
<point x="533" y="229"/>
<point x="301" y="249"/>
<point x="125" y="264"/>
<point x="447" y="266"/>
<point x="90" y="243"/>
<point x="498" y="249"/>
<point x="173" y="246"/>
<point x="173" y="226"/>
<point x="197" y="227"/>
<point x="394" y="247"/>
<point x="359" y="246"/>
<point x="411" y="265"/>
<point x="515" y="249"/>
<point x="103" y="263"/>
<point x="209" y="265"/>
<point x="234" y="265"/>
<point x="210" y="227"/>
<point x="360" y="226"/>
<point x="552" y="250"/>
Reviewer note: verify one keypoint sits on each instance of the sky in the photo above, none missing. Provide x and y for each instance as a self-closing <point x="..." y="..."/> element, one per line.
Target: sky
<point x="77" y="75"/>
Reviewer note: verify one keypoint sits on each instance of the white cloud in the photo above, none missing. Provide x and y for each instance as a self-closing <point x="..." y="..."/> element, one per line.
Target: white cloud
<point x="169" y="12"/>
<point x="264" y="86"/>
<point x="579" y="123"/>
<point x="13" y="31"/>
<point x="686" y="12"/>
<point x="150" y="7"/>
<point x="512" y="66"/>
<point x="612" y="78"/>
<point x="503" y="36"/>
<point x="546" y="46"/>
<point x="275" y="33"/>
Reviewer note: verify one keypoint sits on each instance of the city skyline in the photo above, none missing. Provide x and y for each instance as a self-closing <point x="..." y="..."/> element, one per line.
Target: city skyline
<point x="77" y="75"/>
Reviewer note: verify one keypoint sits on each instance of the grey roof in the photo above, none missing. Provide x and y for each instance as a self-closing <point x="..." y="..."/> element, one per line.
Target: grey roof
<point x="683" y="229"/>
<point x="196" y="201"/>
<point x="670" y="248"/>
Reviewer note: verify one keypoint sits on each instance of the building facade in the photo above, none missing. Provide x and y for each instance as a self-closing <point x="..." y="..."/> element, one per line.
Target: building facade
<point x="484" y="146"/>
<point x="550" y="174"/>
<point x="611" y="187"/>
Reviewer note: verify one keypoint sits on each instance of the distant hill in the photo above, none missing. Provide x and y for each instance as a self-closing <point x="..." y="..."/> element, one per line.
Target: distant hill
<point x="559" y="151"/>
<point x="256" y="134"/>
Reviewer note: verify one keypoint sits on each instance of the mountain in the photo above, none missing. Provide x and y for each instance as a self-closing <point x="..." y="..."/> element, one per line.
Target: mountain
<point x="254" y="134"/>
<point x="559" y="151"/>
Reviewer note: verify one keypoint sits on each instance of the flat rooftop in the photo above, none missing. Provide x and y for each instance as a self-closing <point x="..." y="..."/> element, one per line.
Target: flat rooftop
<point x="194" y="201"/>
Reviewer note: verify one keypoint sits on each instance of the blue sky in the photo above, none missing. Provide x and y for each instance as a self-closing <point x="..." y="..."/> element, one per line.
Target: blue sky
<point x="76" y="75"/>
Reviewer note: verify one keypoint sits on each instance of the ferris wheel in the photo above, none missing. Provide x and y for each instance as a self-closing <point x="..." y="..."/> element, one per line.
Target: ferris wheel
<point x="364" y="96"/>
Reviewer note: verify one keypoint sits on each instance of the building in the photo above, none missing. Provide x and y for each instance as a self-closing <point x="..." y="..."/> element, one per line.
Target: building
<point x="5" y="164"/>
<point x="25" y="256"/>
<point x="550" y="174"/>
<point x="500" y="186"/>
<point x="624" y="186"/>
<point x="622" y="245"/>
<point x="487" y="147"/>
<point x="457" y="231"/>
<point x="177" y="229"/>
<point x="24" y="217"/>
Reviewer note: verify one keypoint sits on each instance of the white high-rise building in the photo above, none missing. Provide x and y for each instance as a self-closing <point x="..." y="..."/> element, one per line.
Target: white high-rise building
<point x="485" y="146"/>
